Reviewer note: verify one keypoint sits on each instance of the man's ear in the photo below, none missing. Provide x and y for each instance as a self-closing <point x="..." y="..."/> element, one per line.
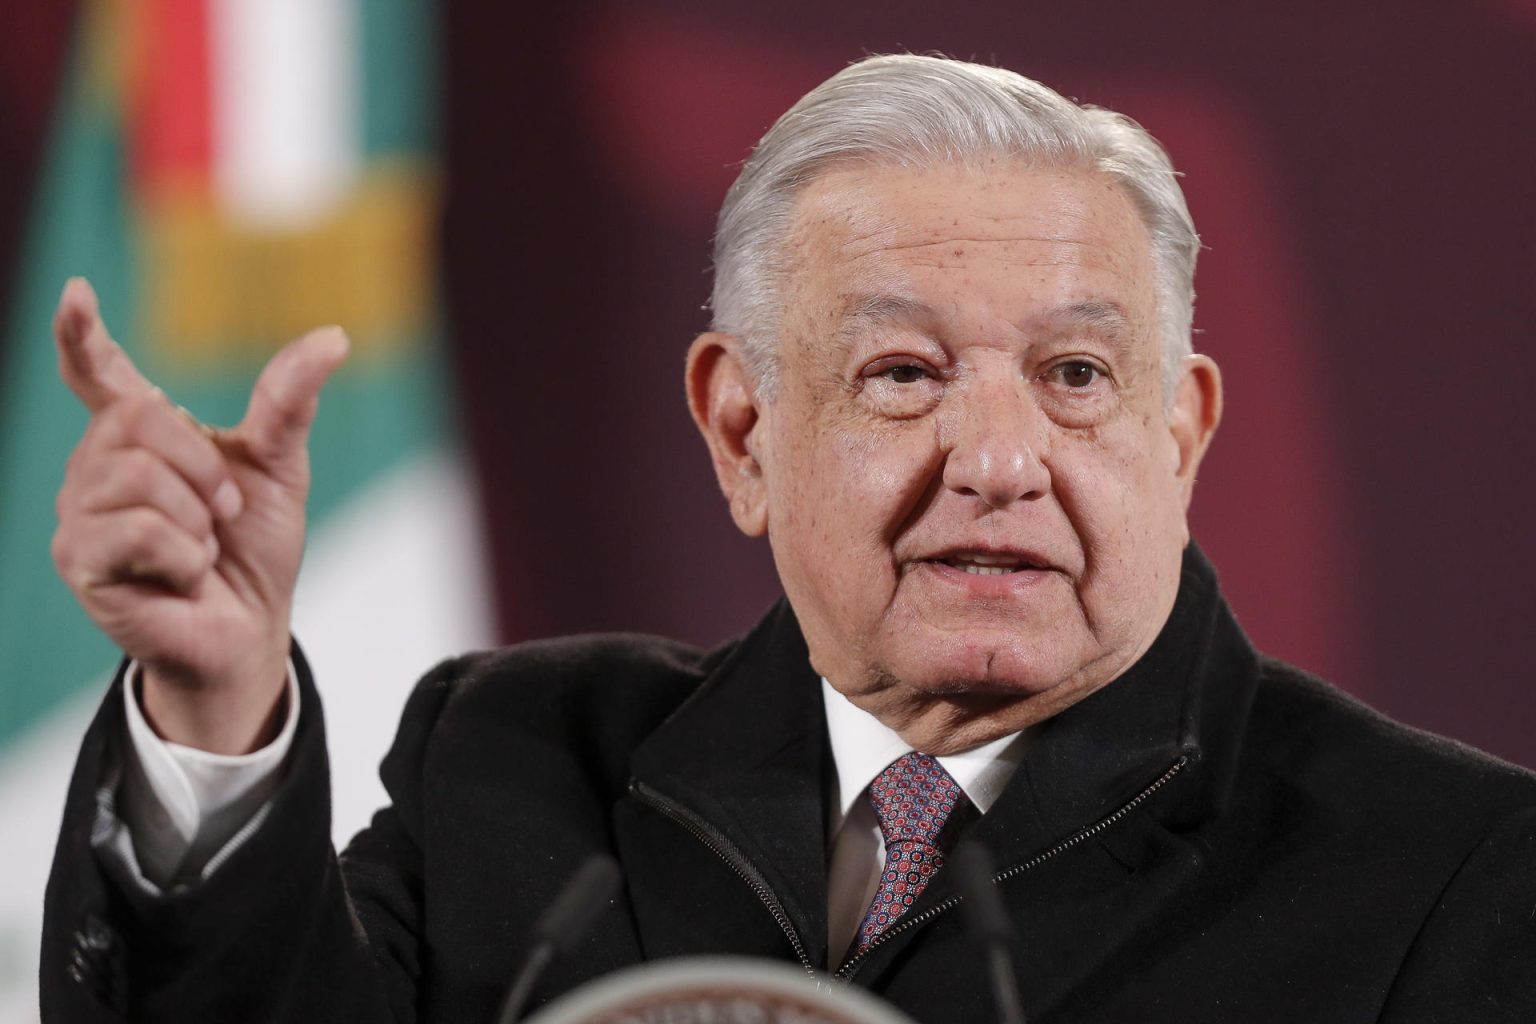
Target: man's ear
<point x="724" y="405"/>
<point x="1192" y="420"/>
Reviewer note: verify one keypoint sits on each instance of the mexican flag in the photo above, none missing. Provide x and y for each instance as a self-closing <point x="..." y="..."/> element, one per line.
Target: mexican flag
<point x="228" y="174"/>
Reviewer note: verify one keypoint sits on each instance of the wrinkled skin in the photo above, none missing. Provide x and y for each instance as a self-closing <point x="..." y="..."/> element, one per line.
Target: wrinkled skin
<point x="970" y="378"/>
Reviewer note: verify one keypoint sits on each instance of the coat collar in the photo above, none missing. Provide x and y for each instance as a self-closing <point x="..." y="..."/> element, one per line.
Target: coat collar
<point x="748" y="754"/>
<point x="1187" y="697"/>
<point x="748" y="751"/>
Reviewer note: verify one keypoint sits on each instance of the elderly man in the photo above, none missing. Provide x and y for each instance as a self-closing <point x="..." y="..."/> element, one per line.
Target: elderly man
<point x="950" y="380"/>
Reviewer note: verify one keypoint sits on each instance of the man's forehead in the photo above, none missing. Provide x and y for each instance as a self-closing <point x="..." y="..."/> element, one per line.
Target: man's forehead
<point x="864" y="228"/>
<point x="860" y="310"/>
<point x="880" y="245"/>
<point x="894" y="206"/>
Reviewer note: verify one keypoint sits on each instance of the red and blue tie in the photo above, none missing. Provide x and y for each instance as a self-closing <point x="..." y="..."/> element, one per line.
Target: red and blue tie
<point x="914" y="797"/>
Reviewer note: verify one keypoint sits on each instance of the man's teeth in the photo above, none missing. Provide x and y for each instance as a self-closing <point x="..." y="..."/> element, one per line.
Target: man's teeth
<point x="986" y="565"/>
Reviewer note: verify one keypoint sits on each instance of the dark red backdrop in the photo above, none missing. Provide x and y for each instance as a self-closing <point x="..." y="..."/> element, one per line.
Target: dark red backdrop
<point x="1362" y="175"/>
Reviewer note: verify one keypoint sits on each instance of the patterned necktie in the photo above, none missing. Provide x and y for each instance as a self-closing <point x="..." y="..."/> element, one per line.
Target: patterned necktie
<point x="914" y="797"/>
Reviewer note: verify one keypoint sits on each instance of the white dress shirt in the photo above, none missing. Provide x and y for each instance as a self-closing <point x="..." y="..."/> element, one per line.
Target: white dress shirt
<point x="182" y="805"/>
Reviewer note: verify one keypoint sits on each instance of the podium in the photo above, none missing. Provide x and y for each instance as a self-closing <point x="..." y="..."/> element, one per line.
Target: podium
<point x="717" y="990"/>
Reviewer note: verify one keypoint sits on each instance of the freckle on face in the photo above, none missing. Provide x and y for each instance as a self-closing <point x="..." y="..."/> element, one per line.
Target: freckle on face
<point x="863" y="506"/>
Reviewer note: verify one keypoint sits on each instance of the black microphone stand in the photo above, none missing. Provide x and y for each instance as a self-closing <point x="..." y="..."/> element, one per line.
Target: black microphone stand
<point x="990" y="925"/>
<point x="560" y="926"/>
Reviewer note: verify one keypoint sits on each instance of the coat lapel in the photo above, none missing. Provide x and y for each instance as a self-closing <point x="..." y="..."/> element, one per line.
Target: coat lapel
<point x="747" y="756"/>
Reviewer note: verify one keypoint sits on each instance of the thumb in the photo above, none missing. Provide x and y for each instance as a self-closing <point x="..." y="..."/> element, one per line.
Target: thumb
<point x="287" y="394"/>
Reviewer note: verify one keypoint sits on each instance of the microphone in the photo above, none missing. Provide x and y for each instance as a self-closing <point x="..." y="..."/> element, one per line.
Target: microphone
<point x="989" y="925"/>
<point x="563" y="922"/>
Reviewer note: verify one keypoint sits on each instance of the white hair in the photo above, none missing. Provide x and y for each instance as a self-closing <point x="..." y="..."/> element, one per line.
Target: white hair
<point x="914" y="111"/>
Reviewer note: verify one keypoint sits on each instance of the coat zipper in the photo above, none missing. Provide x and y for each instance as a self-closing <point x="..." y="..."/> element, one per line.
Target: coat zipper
<point x="851" y="966"/>
<point x="728" y="852"/>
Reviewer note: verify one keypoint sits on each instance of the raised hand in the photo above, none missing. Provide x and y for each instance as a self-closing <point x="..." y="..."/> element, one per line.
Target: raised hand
<point x="183" y="542"/>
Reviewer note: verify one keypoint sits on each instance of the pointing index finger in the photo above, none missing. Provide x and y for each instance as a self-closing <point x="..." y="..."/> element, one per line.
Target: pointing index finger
<point x="94" y="366"/>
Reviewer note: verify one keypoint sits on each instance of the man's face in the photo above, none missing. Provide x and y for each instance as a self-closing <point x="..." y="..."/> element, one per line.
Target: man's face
<point x="974" y="493"/>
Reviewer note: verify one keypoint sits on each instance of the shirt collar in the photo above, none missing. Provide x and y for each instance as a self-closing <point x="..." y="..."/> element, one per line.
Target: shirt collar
<point x="862" y="747"/>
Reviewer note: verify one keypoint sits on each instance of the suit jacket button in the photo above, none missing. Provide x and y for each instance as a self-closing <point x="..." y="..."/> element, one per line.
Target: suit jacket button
<point x="97" y="935"/>
<point x="95" y="959"/>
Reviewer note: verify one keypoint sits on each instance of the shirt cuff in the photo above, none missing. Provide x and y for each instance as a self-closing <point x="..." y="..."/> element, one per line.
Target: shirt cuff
<point x="182" y="805"/>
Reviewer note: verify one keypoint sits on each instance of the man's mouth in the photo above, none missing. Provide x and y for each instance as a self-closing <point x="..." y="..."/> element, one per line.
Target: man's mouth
<point x="979" y="563"/>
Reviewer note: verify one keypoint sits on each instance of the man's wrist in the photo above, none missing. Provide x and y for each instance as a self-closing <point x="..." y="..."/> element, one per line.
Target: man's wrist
<point x="228" y="720"/>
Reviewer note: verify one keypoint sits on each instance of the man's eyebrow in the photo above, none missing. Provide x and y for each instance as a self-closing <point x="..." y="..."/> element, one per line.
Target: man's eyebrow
<point x="866" y="308"/>
<point x="1099" y="313"/>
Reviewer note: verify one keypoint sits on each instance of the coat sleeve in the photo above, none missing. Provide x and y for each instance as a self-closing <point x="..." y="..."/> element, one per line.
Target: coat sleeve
<point x="1475" y="956"/>
<point x="280" y="930"/>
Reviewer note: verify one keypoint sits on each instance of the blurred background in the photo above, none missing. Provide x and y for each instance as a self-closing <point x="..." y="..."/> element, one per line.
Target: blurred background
<point x="509" y="207"/>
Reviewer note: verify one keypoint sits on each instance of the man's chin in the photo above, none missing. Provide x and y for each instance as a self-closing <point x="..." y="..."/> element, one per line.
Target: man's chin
<point x="983" y="666"/>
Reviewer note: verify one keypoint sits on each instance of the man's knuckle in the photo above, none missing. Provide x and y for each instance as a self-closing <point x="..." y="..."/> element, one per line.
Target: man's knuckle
<point x="135" y="464"/>
<point x="149" y="415"/>
<point x="185" y="509"/>
<point x="62" y="548"/>
<point x="144" y="534"/>
<point x="77" y="455"/>
<point x="119" y="479"/>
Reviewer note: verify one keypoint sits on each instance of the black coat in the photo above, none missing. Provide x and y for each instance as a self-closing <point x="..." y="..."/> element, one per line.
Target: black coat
<point x="1215" y="836"/>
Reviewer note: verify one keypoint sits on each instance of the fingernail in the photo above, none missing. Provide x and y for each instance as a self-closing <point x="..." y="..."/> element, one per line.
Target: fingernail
<point x="227" y="501"/>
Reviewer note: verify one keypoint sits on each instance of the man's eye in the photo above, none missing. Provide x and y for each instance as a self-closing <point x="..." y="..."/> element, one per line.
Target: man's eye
<point x="1077" y="374"/>
<point x="906" y="373"/>
<point x="901" y="386"/>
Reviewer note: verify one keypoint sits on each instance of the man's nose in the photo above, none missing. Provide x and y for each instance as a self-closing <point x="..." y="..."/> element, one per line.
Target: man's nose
<point x="995" y="447"/>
